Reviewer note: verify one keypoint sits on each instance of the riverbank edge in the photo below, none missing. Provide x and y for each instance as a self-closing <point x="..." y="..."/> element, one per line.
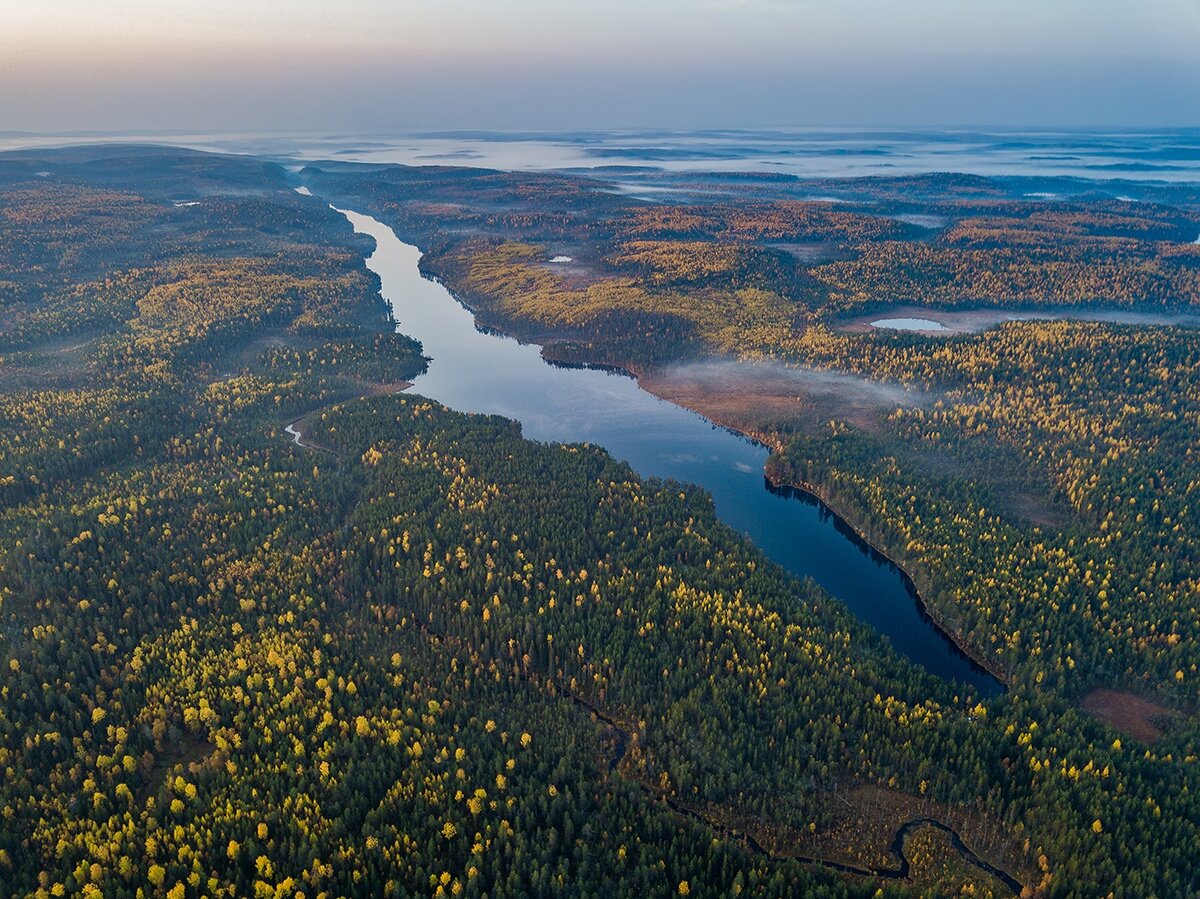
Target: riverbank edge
<point x="818" y="494"/>
<point x="519" y="331"/>
<point x="523" y="332"/>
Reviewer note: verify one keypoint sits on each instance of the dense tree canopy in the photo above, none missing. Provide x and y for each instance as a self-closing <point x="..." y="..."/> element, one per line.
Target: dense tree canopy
<point x="420" y="655"/>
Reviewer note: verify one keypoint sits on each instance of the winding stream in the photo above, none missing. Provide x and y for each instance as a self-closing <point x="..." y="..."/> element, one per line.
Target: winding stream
<point x="473" y="371"/>
<point x="615" y="748"/>
<point x="896" y="848"/>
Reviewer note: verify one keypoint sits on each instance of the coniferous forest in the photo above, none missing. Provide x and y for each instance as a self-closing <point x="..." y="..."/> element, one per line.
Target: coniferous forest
<point x="412" y="653"/>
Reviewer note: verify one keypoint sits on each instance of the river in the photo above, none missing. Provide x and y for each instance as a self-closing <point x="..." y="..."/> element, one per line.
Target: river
<point x="473" y="371"/>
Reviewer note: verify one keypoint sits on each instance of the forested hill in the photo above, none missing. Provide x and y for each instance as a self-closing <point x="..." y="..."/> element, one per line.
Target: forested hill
<point x="1040" y="487"/>
<point x="419" y="655"/>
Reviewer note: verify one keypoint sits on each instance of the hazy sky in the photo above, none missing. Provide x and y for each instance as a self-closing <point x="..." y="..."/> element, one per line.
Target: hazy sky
<point x="549" y="64"/>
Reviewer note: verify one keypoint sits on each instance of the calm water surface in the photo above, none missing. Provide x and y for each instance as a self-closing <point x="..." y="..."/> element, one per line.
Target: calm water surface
<point x="962" y="321"/>
<point x="908" y="324"/>
<point x="476" y="372"/>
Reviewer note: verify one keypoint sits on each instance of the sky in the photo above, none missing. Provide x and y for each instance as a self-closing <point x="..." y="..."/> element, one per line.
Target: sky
<point x="397" y="65"/>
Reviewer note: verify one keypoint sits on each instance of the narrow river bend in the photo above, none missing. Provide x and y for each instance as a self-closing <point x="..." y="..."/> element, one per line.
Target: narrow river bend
<point x="476" y="372"/>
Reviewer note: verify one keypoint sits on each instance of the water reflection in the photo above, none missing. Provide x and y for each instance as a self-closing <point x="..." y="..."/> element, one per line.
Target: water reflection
<point x="473" y="371"/>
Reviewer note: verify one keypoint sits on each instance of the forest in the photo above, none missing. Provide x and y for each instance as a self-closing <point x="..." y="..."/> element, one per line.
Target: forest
<point x="420" y="655"/>
<point x="1039" y="492"/>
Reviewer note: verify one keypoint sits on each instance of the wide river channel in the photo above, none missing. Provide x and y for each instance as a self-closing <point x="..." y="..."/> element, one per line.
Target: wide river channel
<point x="473" y="371"/>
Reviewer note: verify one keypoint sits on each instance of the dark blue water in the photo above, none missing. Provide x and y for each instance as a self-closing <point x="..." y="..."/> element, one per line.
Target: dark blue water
<point x="476" y="372"/>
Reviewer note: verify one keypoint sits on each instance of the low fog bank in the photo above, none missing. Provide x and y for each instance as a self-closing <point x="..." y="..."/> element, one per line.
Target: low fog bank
<point x="774" y="378"/>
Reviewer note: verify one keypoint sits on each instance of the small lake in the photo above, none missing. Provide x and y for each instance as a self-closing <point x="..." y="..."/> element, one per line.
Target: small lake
<point x="908" y="324"/>
<point x="472" y="371"/>
<point x="969" y="321"/>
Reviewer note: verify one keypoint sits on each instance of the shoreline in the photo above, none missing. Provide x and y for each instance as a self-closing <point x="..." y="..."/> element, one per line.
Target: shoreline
<point x="974" y="319"/>
<point x="939" y="623"/>
<point x="815" y="493"/>
<point x="499" y="324"/>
